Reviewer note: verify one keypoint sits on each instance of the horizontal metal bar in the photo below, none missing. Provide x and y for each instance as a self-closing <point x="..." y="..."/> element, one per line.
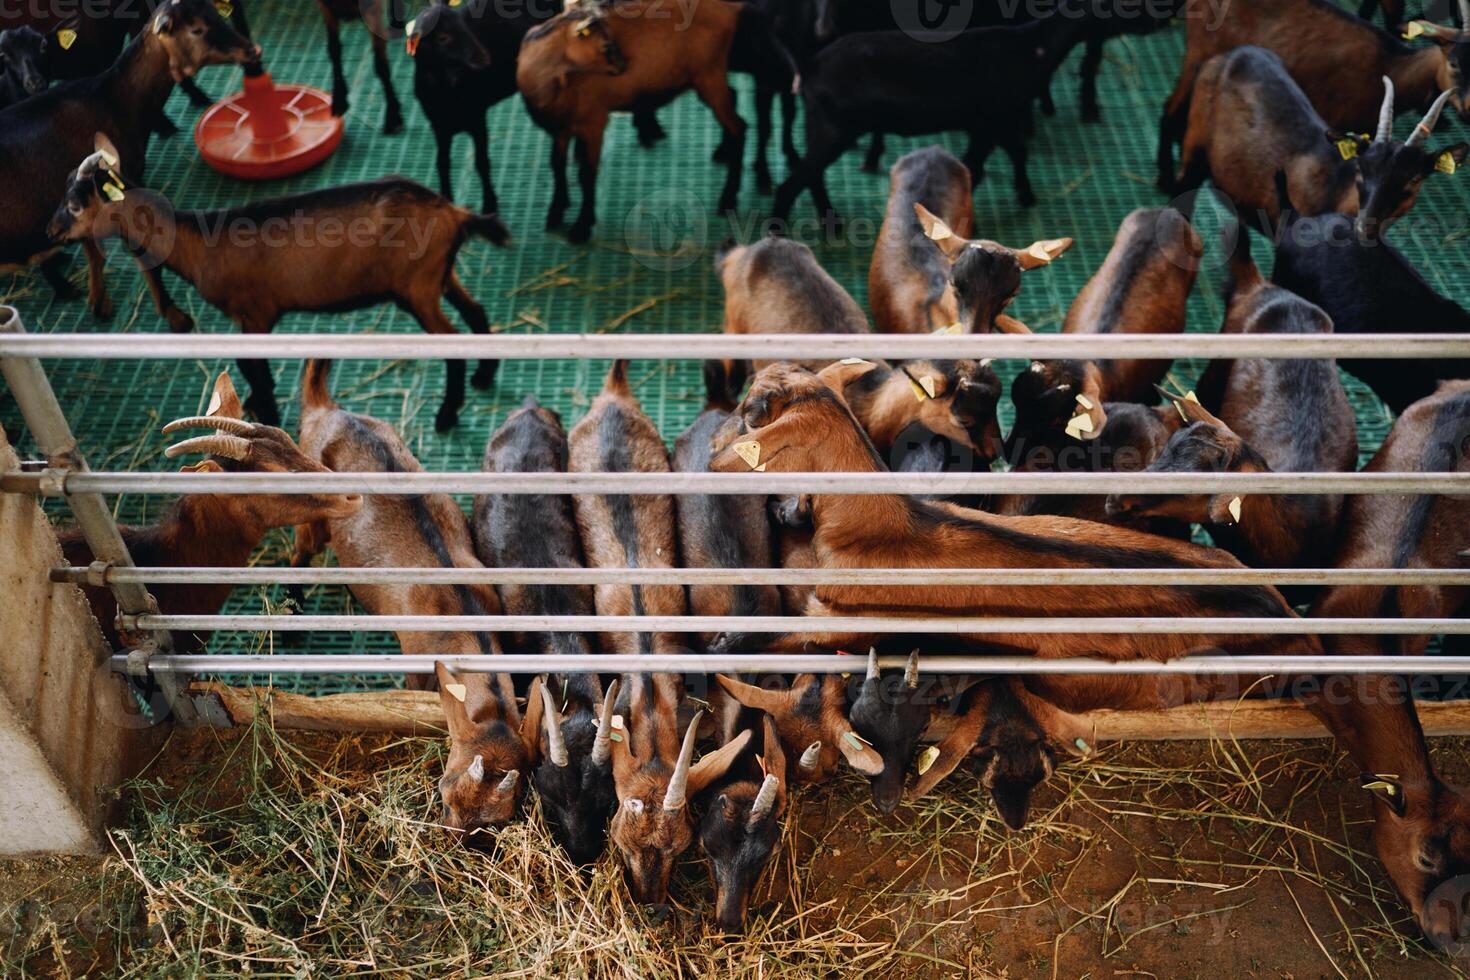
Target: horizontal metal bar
<point x="414" y="346"/>
<point x="1234" y="625"/>
<point x="787" y="664"/>
<point x="188" y="575"/>
<point x="748" y="483"/>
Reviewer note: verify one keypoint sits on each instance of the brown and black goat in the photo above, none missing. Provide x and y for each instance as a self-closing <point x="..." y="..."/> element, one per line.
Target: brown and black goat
<point x="811" y="722"/>
<point x="214" y="529"/>
<point x="909" y="289"/>
<point x="1422" y="825"/>
<point x="381" y="18"/>
<point x="656" y="777"/>
<point x="491" y="744"/>
<point x="742" y="826"/>
<point x="574" y="777"/>
<point x="1337" y="60"/>
<point x="580" y="66"/>
<point x="626" y="530"/>
<point x="1273" y="415"/>
<point x="335" y="249"/>
<point x="1249" y="121"/>
<point x="776" y="285"/>
<point x="985" y="275"/>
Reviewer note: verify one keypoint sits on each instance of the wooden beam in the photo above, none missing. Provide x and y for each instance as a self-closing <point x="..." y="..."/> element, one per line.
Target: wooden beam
<point x="418" y="713"/>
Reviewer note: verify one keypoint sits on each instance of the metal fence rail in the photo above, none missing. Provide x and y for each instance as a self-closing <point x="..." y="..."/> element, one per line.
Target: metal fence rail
<point x="1248" y="666"/>
<point x="103" y="574"/>
<point x="414" y="346"/>
<point x="414" y="484"/>
<point x="1231" y="625"/>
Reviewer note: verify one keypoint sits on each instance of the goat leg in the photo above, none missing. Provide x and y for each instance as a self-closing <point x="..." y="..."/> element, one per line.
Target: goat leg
<point x="1091" y="65"/>
<point x="788" y="130"/>
<point x="714" y="91"/>
<point x="97" y="298"/>
<point x="262" y="399"/>
<point x="53" y="270"/>
<point x="765" y="97"/>
<point x="393" y="113"/>
<point x="650" y="130"/>
<point x="589" y="155"/>
<point x="198" y="98"/>
<point x="443" y="143"/>
<point x="560" y="195"/>
<point x="477" y="321"/>
<point x="490" y="203"/>
<point x="334" y="53"/>
<point x="178" y="320"/>
<point x="1015" y="147"/>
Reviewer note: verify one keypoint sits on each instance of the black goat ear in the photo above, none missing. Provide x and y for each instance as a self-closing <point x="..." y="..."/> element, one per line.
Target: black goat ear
<point x="1386" y="789"/>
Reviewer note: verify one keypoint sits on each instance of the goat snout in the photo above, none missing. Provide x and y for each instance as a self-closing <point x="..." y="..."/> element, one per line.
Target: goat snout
<point x="34" y="83"/>
<point x="1117" y="505"/>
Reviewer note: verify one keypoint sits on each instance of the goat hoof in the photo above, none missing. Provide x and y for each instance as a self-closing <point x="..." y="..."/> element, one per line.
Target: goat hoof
<point x="446" y="419"/>
<point x="179" y="321"/>
<point x="1091" y="114"/>
<point x="555" y="221"/>
<point x="484" y="376"/>
<point x="579" y="232"/>
<point x="1026" y="198"/>
<point x="102" y="308"/>
<point x="339" y="104"/>
<point x="392" y="125"/>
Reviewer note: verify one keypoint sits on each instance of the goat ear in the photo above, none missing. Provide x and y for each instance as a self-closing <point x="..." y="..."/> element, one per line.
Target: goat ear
<point x="717" y="763"/>
<point x="1090" y="405"/>
<point x="1063" y="728"/>
<point x="203" y="466"/>
<point x="1225" y="508"/>
<point x="956" y="746"/>
<point x="453" y="697"/>
<point x="839" y="374"/>
<point x="226" y="400"/>
<point x="530" y="728"/>
<point x="771" y="702"/>
<point x="939" y="233"/>
<point x="1190" y="408"/>
<point x="1450" y="158"/>
<point x="1009" y="324"/>
<point x="101" y="144"/>
<point x="1040" y="253"/>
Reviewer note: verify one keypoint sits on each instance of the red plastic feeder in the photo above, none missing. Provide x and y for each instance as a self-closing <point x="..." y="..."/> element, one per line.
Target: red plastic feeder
<point x="267" y="131"/>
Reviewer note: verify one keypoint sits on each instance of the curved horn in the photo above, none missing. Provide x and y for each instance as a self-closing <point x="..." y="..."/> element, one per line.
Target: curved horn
<point x="556" y="746"/>
<point x="872" y="663"/>
<point x="811" y="757"/>
<point x="911" y="671"/>
<point x="476" y="771"/>
<point x="231" y="447"/>
<point x="765" y="800"/>
<point x="1421" y="132"/>
<point x="1385" y="113"/>
<point x="602" y="743"/>
<point x="88" y="166"/>
<point x="679" y="783"/>
<point x="512" y="776"/>
<point x="223" y="423"/>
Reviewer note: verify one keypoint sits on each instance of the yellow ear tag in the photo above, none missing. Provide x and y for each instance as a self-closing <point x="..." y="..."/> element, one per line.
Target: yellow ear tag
<point x="457" y="690"/>
<point x="617" y="721"/>
<point x="1085" y="402"/>
<point x="949" y="331"/>
<point x="1039" y="253"/>
<point x="749" y="450"/>
<point x="1388" y="788"/>
<point x="920" y="395"/>
<point x="856" y="741"/>
<point x="1445" y="163"/>
<point x="1235" y="509"/>
<point x="927" y="758"/>
<point x="214" y="404"/>
<point x="1347" y="147"/>
<point x="940" y="231"/>
<point x="1079" y="424"/>
<point x="66" y="37"/>
<point x="1082" y="745"/>
<point x="1189" y="396"/>
<point x="852" y="360"/>
<point x="113" y="192"/>
<point x="224" y="8"/>
<point x="761" y="468"/>
<point x="1413" y="30"/>
<point x="927" y="383"/>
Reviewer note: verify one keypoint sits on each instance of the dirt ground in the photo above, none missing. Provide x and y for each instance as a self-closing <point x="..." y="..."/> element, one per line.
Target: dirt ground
<point x="1176" y="860"/>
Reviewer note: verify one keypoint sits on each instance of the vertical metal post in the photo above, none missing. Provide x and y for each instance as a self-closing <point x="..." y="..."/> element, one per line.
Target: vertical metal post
<point x="44" y="417"/>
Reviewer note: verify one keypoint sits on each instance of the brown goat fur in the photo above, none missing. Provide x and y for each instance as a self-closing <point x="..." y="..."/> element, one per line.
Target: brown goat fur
<point x="588" y="62"/>
<point x="626" y="531"/>
<point x="909" y="290"/>
<point x="213" y="529"/>
<point x="888" y="400"/>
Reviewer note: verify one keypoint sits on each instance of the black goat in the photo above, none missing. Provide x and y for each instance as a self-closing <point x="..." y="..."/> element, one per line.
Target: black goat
<point x="379" y="21"/>
<point x="22" y="72"/>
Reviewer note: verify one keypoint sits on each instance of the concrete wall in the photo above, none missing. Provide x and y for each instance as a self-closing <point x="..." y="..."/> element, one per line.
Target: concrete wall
<point x="68" y="733"/>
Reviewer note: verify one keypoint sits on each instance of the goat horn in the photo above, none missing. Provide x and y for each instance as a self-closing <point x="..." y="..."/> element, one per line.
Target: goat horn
<point x="89" y="166"/>
<point x="811" y="756"/>
<point x="602" y="743"/>
<point x="911" y="671"/>
<point x="765" y="800"/>
<point x="1385" y="113"/>
<point x="512" y="776"/>
<point x="1465" y="15"/>
<point x="223" y="423"/>
<point x="679" y="783"/>
<point x="872" y="663"/>
<point x="476" y="771"/>
<point x="231" y="447"/>
<point x="556" y="746"/>
<point x="1421" y="132"/>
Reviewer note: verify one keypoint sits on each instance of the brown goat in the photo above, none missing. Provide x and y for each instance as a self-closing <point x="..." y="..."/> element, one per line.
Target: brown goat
<point x="624" y="530"/>
<point x="213" y="529"/>
<point x="656" y="776"/>
<point x="1422" y="828"/>
<point x="1336" y="58"/>
<point x="776" y="285"/>
<point x="908" y="280"/>
<point x="811" y="721"/>
<point x="1274" y="415"/>
<point x="580" y="66"/>
<point x="427" y="531"/>
<point x="334" y="249"/>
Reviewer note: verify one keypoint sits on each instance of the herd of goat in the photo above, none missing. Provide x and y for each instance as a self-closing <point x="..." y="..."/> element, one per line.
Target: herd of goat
<point x="1287" y="106"/>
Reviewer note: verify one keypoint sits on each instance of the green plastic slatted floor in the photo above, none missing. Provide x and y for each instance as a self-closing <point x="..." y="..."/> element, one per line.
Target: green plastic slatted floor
<point x="1086" y="176"/>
